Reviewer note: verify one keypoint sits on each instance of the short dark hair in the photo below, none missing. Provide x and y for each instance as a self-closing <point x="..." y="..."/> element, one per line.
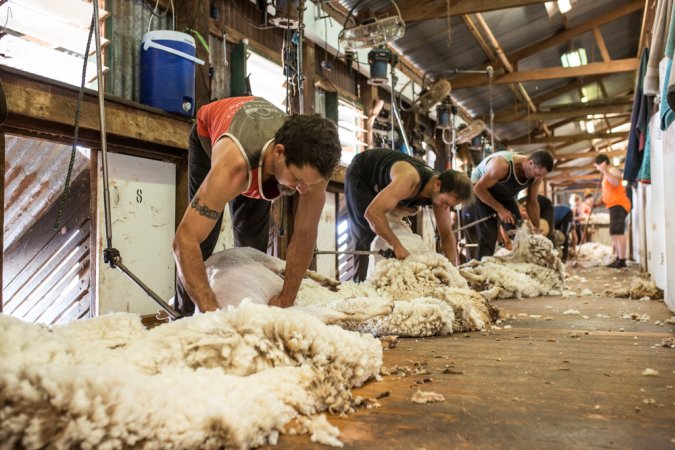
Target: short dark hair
<point x="602" y="159"/>
<point x="457" y="183"/>
<point x="310" y="139"/>
<point x="543" y="159"/>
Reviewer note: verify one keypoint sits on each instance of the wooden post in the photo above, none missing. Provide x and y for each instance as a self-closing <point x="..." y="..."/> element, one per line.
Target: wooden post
<point x="195" y="15"/>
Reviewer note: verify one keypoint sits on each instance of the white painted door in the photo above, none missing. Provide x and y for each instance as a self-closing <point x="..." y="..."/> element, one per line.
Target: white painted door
<point x="668" y="186"/>
<point x="657" y="260"/>
<point x="142" y="211"/>
<point x="326" y="239"/>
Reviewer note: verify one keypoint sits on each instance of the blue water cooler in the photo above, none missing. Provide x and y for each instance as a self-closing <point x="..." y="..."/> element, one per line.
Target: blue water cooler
<point x="168" y="71"/>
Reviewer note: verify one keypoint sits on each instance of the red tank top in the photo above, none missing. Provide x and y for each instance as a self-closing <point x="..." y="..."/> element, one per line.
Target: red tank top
<point x="251" y="123"/>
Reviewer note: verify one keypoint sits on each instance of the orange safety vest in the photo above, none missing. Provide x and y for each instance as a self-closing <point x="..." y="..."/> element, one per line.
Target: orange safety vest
<point x="614" y="195"/>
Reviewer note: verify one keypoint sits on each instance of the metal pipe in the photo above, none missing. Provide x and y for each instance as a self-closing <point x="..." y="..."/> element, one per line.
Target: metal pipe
<point x="400" y="126"/>
<point x="118" y="263"/>
<point x="111" y="255"/>
<point x="101" y="115"/>
<point x="301" y="77"/>
<point x="475" y="222"/>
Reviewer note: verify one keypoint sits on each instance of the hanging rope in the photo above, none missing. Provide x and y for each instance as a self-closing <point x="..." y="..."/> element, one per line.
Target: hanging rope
<point x="76" y="132"/>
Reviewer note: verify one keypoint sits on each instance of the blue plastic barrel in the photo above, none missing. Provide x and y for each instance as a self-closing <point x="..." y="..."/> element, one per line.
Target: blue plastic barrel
<point x="168" y="71"/>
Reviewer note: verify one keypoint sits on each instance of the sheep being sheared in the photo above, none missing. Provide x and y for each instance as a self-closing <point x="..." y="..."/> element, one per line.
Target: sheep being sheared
<point x="226" y="379"/>
<point x="532" y="269"/>
<point x="400" y="227"/>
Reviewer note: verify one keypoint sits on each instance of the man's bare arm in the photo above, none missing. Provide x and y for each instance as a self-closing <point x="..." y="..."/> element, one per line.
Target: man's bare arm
<point x="448" y="240"/>
<point x="404" y="181"/>
<point x="532" y="203"/>
<point x="226" y="179"/>
<point x="301" y="247"/>
<point x="497" y="169"/>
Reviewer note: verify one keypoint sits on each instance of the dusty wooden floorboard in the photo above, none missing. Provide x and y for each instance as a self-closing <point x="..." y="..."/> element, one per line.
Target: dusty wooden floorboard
<point x="557" y="381"/>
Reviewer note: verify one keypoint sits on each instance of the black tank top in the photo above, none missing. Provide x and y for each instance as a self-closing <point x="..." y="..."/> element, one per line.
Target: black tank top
<point x="373" y="167"/>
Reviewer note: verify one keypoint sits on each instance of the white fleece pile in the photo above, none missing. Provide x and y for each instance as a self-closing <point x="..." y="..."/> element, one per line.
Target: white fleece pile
<point x="532" y="269"/>
<point x="374" y="307"/>
<point x="411" y="241"/>
<point x="593" y="254"/>
<point x="228" y="379"/>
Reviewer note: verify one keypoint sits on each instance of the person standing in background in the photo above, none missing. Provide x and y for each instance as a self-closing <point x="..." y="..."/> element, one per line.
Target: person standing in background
<point x="617" y="202"/>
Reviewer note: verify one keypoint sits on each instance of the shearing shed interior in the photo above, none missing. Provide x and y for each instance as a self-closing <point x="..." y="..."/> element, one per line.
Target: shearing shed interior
<point x="369" y="224"/>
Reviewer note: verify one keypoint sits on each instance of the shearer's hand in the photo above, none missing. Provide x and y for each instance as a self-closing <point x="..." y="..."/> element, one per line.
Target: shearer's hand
<point x="401" y="252"/>
<point x="505" y="216"/>
<point x="280" y="302"/>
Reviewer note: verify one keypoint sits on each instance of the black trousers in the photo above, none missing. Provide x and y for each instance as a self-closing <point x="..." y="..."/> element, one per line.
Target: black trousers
<point x="359" y="195"/>
<point x="565" y="225"/>
<point x="485" y="233"/>
<point x="250" y="218"/>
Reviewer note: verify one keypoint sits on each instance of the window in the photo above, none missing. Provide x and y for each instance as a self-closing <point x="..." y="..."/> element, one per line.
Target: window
<point x="267" y="80"/>
<point x="350" y="128"/>
<point x="49" y="39"/>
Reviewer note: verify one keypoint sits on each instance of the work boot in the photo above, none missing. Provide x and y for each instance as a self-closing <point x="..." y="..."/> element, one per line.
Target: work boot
<point x="621" y="263"/>
<point x="614" y="264"/>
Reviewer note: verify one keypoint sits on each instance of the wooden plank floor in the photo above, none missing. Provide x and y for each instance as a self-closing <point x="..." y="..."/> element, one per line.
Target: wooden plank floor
<point x="556" y="381"/>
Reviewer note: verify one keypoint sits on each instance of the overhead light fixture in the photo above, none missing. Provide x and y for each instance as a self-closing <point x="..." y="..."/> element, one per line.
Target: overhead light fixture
<point x="574" y="58"/>
<point x="564" y="6"/>
<point x="373" y="33"/>
<point x="561" y="6"/>
<point x="590" y="127"/>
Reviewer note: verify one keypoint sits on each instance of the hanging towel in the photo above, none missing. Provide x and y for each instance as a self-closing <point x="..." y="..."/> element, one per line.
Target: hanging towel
<point x="645" y="175"/>
<point x="638" y="123"/>
<point x="658" y="44"/>
<point x="666" y="111"/>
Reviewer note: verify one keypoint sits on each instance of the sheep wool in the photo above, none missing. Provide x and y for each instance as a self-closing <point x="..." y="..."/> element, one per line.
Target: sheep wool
<point x="228" y="379"/>
<point x="532" y="269"/>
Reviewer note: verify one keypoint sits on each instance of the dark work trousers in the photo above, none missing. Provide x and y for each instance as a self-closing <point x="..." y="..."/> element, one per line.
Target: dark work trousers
<point x="565" y="226"/>
<point x="358" y="195"/>
<point x="250" y="218"/>
<point x="546" y="213"/>
<point x="485" y="233"/>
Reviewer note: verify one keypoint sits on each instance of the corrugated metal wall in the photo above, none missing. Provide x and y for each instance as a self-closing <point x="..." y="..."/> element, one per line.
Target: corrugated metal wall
<point x="46" y="272"/>
<point x="35" y="171"/>
<point x="128" y="22"/>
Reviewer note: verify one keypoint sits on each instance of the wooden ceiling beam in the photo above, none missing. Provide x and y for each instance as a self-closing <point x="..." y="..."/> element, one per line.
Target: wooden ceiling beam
<point x="550" y="73"/>
<point x="580" y="29"/>
<point x="567" y="113"/>
<point x="647" y="24"/>
<point x="601" y="44"/>
<point x="568" y="170"/>
<point x="435" y="9"/>
<point x="562" y="178"/>
<point x="571" y="138"/>
<point x="567" y="157"/>
<point x="501" y="56"/>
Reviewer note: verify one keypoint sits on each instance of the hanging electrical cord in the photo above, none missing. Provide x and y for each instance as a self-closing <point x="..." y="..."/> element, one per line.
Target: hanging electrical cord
<point x="153" y="11"/>
<point x="76" y="132"/>
<point x="154" y="14"/>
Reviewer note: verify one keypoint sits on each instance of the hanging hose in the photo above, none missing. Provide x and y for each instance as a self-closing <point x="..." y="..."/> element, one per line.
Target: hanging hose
<point x="76" y="132"/>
